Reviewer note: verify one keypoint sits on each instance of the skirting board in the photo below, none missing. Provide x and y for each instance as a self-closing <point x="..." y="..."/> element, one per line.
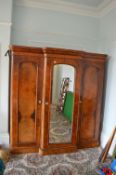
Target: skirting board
<point x="4" y="139"/>
<point x="104" y="139"/>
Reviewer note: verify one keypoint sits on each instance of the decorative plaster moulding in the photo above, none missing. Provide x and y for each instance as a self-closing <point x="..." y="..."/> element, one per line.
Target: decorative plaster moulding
<point x="73" y="8"/>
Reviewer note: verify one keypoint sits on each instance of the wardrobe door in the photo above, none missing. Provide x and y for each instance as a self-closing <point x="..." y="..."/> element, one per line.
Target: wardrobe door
<point x="90" y="104"/>
<point x="59" y="131"/>
<point x="25" y="101"/>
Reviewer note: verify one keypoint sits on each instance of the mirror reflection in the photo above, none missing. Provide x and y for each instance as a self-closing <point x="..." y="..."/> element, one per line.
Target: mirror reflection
<point x="61" y="109"/>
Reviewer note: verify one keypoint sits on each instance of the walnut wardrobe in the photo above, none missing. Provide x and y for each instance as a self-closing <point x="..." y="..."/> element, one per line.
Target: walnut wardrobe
<point x="37" y="124"/>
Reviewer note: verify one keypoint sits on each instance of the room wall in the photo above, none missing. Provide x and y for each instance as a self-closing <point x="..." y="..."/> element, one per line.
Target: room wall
<point x="37" y="27"/>
<point x="5" y="29"/>
<point x="108" y="46"/>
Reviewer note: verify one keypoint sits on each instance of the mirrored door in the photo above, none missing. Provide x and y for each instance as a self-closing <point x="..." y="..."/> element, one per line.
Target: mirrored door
<point x="62" y="104"/>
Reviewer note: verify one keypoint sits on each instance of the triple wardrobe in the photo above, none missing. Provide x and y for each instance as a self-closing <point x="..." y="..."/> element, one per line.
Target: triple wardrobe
<point x="56" y="99"/>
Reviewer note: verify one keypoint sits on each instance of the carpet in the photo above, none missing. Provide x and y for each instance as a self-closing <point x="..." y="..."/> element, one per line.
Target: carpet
<point x="82" y="162"/>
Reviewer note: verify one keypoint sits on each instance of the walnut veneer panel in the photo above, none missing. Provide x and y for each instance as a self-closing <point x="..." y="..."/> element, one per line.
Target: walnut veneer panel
<point x="27" y="102"/>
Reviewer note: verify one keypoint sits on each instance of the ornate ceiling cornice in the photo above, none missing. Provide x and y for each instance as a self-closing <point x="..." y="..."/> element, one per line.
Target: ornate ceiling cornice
<point x="67" y="7"/>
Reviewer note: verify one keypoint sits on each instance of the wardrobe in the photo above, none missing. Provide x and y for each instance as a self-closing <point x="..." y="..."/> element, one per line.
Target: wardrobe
<point x="36" y="123"/>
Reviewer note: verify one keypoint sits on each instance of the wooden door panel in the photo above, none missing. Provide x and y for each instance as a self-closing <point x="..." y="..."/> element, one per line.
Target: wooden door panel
<point x="90" y="89"/>
<point x="25" y="111"/>
<point x="89" y="121"/>
<point x="27" y="101"/>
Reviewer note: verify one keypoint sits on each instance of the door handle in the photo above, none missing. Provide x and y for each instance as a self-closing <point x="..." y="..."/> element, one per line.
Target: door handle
<point x="39" y="102"/>
<point x="79" y="106"/>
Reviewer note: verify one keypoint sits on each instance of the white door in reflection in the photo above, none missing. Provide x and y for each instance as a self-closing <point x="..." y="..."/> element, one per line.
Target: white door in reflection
<point x="62" y="99"/>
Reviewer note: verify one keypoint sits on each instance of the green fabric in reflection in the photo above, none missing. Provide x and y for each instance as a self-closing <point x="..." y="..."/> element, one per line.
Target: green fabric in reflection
<point x="68" y="105"/>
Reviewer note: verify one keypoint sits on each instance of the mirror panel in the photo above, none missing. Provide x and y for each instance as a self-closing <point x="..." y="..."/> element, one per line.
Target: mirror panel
<point x="61" y="107"/>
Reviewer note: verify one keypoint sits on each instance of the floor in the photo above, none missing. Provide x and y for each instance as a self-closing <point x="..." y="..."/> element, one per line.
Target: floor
<point x="82" y="162"/>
